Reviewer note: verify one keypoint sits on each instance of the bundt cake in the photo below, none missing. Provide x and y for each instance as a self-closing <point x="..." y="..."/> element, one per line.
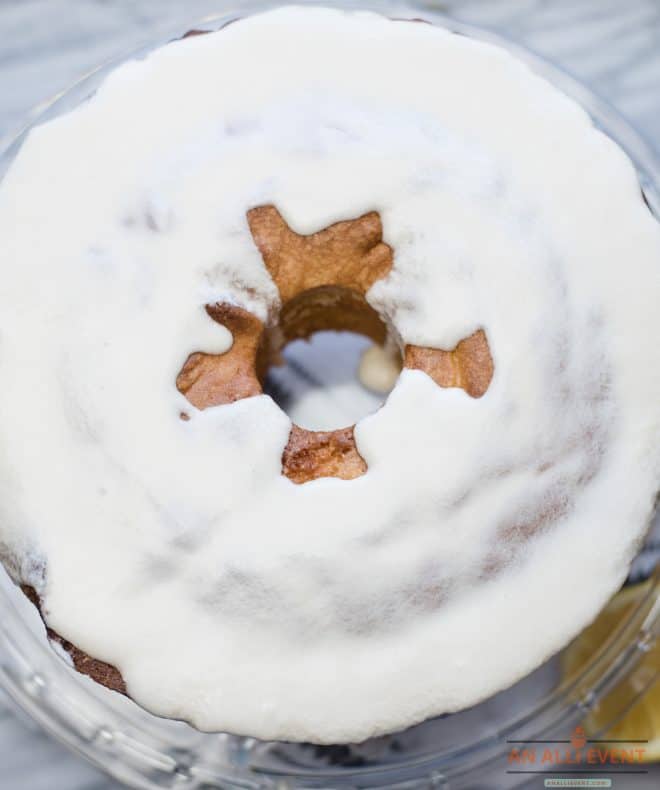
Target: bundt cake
<point x="304" y="170"/>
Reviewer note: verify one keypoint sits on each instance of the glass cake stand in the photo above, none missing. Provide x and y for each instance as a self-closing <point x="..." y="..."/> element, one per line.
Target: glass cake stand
<point x="465" y="750"/>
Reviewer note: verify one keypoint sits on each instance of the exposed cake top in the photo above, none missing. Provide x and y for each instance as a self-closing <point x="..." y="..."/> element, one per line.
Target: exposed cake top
<point x="175" y="550"/>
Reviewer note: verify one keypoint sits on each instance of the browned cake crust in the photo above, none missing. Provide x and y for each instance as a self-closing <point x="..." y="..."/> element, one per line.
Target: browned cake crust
<point x="313" y="454"/>
<point x="469" y="366"/>
<point x="348" y="254"/>
<point x="213" y="380"/>
<point x="105" y="674"/>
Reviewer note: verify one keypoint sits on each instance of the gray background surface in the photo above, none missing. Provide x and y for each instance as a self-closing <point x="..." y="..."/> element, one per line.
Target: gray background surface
<point x="613" y="45"/>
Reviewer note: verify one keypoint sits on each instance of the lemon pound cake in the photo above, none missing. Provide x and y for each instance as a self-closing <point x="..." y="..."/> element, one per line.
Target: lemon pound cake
<point x="301" y="170"/>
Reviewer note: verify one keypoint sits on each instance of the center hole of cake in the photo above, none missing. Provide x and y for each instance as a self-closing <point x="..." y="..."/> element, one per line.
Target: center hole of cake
<point x="319" y="383"/>
<point x="329" y="367"/>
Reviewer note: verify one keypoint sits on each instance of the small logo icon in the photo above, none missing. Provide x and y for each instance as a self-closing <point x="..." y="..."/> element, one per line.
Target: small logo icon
<point x="578" y="738"/>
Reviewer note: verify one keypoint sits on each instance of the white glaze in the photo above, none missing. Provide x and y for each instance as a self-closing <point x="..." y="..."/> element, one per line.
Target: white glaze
<point x="224" y="593"/>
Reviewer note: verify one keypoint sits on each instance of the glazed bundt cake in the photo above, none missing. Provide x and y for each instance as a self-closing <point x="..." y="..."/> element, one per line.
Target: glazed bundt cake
<point x="299" y="171"/>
